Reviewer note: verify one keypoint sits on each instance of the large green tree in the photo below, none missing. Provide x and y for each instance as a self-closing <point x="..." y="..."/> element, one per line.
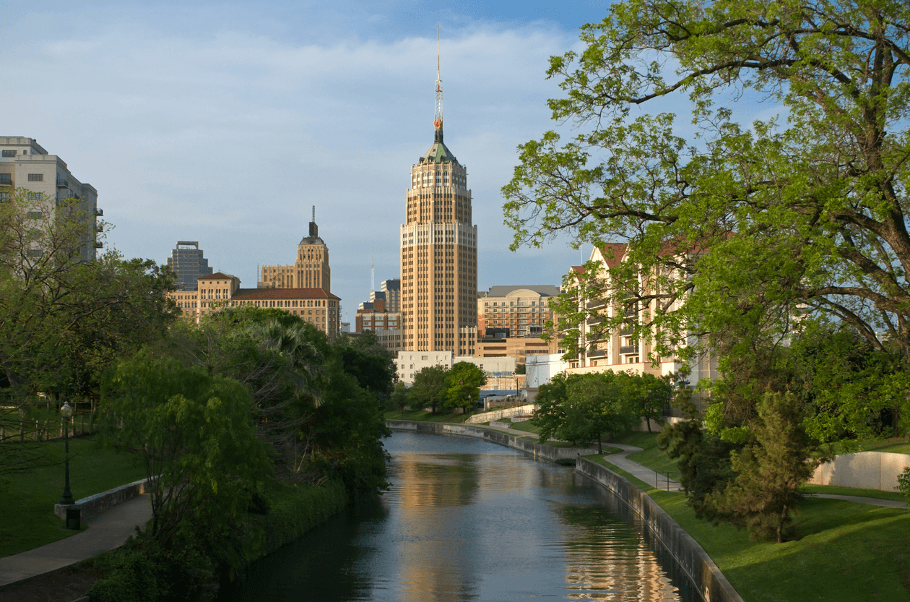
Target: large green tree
<point x="734" y="229"/>
<point x="197" y="439"/>
<point x="463" y="384"/>
<point x="770" y="471"/>
<point x="582" y="408"/>
<point x="429" y="387"/>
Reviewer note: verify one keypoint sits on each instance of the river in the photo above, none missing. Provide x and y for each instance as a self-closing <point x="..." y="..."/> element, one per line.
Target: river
<point x="466" y="519"/>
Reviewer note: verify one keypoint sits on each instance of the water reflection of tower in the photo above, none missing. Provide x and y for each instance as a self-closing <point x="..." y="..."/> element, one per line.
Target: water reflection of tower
<point x="438" y="486"/>
<point x="606" y="561"/>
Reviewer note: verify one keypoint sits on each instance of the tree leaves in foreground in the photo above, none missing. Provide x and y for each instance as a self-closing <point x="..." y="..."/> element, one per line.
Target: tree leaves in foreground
<point x="734" y="230"/>
<point x="196" y="436"/>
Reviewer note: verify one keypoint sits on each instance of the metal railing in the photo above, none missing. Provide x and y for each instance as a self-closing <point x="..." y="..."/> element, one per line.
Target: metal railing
<point x="665" y="474"/>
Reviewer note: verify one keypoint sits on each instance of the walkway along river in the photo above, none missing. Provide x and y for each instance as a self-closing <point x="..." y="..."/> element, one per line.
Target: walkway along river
<point x="467" y="519"/>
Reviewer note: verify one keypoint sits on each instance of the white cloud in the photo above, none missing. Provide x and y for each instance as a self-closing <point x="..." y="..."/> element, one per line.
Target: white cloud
<point x="228" y="136"/>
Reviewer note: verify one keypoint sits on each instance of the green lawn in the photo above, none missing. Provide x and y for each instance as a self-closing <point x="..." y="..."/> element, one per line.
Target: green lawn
<point x="425" y="416"/>
<point x="894" y="446"/>
<point x="843" y="551"/>
<point x="525" y="426"/>
<point x="28" y="498"/>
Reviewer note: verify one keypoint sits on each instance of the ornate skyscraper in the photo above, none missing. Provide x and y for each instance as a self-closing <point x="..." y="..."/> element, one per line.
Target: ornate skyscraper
<point x="438" y="251"/>
<point x="311" y="270"/>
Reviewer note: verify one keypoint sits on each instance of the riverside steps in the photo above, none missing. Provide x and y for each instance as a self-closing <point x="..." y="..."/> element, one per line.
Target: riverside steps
<point x="659" y="529"/>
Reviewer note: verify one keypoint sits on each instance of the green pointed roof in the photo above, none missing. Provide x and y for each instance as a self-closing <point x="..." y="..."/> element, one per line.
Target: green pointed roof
<point x="439" y="152"/>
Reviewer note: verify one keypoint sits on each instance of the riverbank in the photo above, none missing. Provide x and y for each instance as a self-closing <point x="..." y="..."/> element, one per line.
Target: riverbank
<point x="839" y="553"/>
<point x="701" y="571"/>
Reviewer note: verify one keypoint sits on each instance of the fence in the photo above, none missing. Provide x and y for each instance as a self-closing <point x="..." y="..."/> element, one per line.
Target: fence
<point x="17" y="429"/>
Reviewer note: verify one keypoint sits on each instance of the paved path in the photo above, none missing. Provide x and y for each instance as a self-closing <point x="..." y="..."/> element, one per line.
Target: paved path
<point x="619" y="459"/>
<point x="861" y="500"/>
<point x="660" y="481"/>
<point x="106" y="531"/>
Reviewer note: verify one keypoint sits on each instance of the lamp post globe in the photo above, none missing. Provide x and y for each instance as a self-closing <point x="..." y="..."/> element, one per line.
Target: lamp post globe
<point x="67" y="497"/>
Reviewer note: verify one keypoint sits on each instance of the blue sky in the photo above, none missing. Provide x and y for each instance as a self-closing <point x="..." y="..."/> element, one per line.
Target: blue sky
<point x="224" y="122"/>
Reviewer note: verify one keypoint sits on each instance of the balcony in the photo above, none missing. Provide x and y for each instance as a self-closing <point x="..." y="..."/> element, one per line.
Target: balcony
<point x="629" y="350"/>
<point x="626" y="330"/>
<point x="62" y="183"/>
<point x="597" y="353"/>
<point x="99" y="228"/>
<point x="595" y="304"/>
<point x="99" y="212"/>
<point x="594" y="320"/>
<point x="99" y="245"/>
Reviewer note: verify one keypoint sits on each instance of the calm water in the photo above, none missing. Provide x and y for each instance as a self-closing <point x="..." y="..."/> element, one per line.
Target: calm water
<point x="469" y="520"/>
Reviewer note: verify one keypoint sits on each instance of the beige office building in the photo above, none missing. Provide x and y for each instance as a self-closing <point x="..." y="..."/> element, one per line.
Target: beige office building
<point x="310" y="270"/>
<point x="438" y="251"/>
<point x="24" y="164"/>
<point x="217" y="291"/>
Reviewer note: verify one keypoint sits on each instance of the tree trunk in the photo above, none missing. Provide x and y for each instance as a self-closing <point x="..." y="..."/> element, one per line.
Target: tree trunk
<point x="780" y="524"/>
<point x="600" y="447"/>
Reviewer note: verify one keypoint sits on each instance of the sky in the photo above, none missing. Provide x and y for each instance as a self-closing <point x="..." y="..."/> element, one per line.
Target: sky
<point x="226" y="122"/>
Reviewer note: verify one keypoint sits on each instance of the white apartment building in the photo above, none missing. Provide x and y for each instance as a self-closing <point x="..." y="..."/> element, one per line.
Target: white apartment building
<point x="26" y="165"/>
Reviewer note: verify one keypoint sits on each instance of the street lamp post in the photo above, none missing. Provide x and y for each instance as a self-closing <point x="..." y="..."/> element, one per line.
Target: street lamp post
<point x="67" y="497"/>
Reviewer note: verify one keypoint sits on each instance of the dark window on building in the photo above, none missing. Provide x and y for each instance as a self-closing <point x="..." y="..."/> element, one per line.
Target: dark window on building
<point x="9" y="153"/>
<point x="35" y="214"/>
<point x="36" y="177"/>
<point x="6" y="179"/>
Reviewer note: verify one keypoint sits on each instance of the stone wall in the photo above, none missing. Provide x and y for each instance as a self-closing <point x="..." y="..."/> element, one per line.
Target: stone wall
<point x="497" y="414"/>
<point x="864" y="470"/>
<point x="691" y="559"/>
<point x="529" y="446"/>
<point x="95" y="504"/>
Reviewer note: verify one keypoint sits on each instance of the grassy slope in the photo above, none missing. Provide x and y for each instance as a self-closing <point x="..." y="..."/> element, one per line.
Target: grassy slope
<point x="843" y="551"/>
<point x="28" y="498"/>
<point x="894" y="446"/>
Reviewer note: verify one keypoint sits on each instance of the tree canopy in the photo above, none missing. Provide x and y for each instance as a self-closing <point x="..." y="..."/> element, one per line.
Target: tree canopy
<point x="463" y="383"/>
<point x="738" y="227"/>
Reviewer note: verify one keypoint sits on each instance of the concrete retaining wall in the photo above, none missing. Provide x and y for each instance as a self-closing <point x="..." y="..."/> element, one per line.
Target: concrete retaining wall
<point x="95" y="504"/>
<point x="864" y="470"/>
<point x="529" y="446"/>
<point x="691" y="559"/>
<point x="497" y="414"/>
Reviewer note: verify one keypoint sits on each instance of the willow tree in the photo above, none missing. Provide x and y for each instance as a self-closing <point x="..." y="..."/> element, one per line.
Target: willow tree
<point x="736" y="228"/>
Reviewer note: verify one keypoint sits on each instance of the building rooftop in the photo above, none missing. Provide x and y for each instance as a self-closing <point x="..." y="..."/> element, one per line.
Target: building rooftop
<point x="282" y="293"/>
<point x="546" y="290"/>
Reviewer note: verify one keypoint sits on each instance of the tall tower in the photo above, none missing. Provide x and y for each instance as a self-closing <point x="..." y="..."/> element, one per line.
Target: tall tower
<point x="438" y="250"/>
<point x="311" y="270"/>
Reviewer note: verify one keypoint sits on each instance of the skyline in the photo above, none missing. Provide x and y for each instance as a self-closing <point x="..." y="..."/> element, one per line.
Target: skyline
<point x="225" y="124"/>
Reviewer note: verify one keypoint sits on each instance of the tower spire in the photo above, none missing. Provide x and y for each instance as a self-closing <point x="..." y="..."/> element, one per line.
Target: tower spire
<point x="437" y="119"/>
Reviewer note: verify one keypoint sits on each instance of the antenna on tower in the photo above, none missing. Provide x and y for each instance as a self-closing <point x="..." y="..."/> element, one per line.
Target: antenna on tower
<point x="314" y="213"/>
<point x="437" y="119"/>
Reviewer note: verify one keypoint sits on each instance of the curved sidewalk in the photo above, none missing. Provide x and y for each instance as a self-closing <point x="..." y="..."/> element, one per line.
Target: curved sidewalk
<point x="106" y="531"/>
<point x="619" y="459"/>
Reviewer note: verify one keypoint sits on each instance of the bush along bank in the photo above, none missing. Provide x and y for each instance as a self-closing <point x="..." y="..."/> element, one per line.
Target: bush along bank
<point x="194" y="567"/>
